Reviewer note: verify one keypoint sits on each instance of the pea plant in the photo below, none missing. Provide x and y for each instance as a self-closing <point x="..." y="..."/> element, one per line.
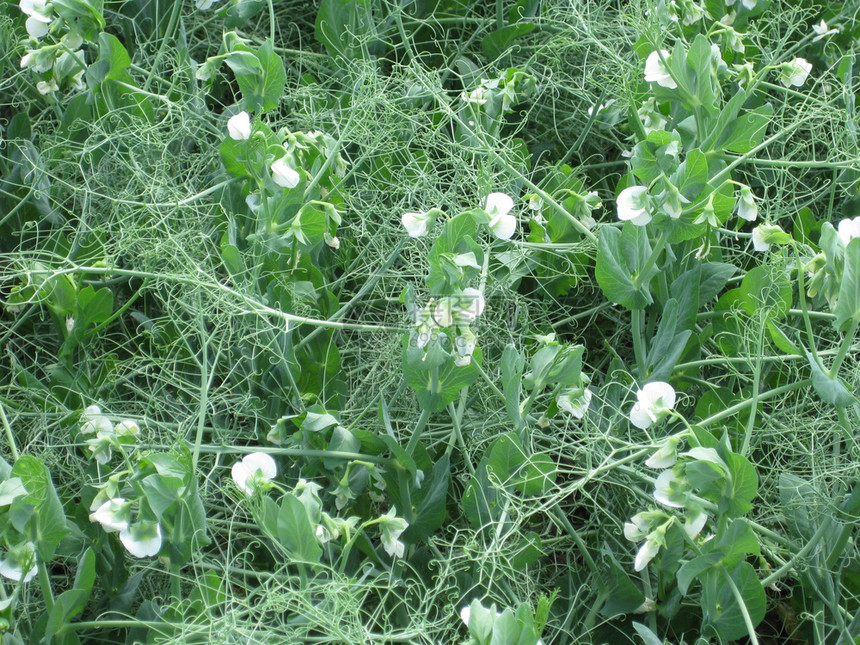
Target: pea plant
<point x="501" y="323"/>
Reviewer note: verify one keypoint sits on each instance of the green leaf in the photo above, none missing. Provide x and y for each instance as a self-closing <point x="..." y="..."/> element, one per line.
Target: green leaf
<point x="695" y="174"/>
<point x="528" y="551"/>
<point x="341" y="27"/>
<point x="239" y="13"/>
<point x="71" y="602"/>
<point x="84" y="15"/>
<point x="735" y="542"/>
<point x="429" y="502"/>
<point x="747" y="131"/>
<point x="744" y="485"/>
<point x="436" y="386"/>
<point x="261" y="90"/>
<point x="537" y="476"/>
<point x="699" y="58"/>
<point x="506" y="457"/>
<point x="512" y="366"/>
<point x="848" y="306"/>
<point x="112" y="63"/>
<point x="781" y="340"/>
<point x="95" y="306"/>
<point x="295" y="531"/>
<point x="722" y="609"/>
<point x="667" y="344"/>
<point x="622" y="596"/>
<point x="497" y="42"/>
<point x="830" y="389"/>
<point x="648" y="637"/>
<point x="50" y="520"/>
<point x="698" y="286"/>
<point x="691" y="570"/>
<point x="767" y="291"/>
<point x="799" y="500"/>
<point x="162" y="492"/>
<point x="621" y="256"/>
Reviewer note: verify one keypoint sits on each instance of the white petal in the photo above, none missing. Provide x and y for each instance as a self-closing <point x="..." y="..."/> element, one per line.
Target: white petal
<point x="662" y="489"/>
<point x="657" y="392"/>
<point x="646" y="553"/>
<point x="848" y="229"/>
<point x="639" y="417"/>
<point x="656" y="72"/>
<point x="466" y="614"/>
<point x="694" y="523"/>
<point x="284" y="175"/>
<point x="632" y="532"/>
<point x="416" y="224"/>
<point x="630" y="205"/>
<point x="127" y="428"/>
<point x="498" y="204"/>
<point x="141" y="541"/>
<point x="503" y="226"/>
<point x="36" y="27"/>
<point x="658" y="460"/>
<point x="262" y="462"/>
<point x="474" y="303"/>
<point x="110" y="515"/>
<point x="239" y="126"/>
<point x="758" y="240"/>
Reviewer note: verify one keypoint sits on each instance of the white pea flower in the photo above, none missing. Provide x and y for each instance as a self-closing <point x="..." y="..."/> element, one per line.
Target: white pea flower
<point x="764" y="235"/>
<point x="747" y="208"/>
<point x="657" y="72"/>
<point x="465" y="345"/>
<point x="574" y="401"/>
<point x="472" y="304"/>
<point x="638" y="527"/>
<point x="822" y="31"/>
<point x="665" y="457"/>
<point x="47" y="87"/>
<point x="795" y="73"/>
<point x="284" y="175"/>
<point x="391" y="528"/>
<point x="239" y="126"/>
<point x="653" y="403"/>
<point x="143" y="539"/>
<point x="255" y="470"/>
<point x="758" y="241"/>
<point x="417" y="224"/>
<point x="39" y="18"/>
<point x="848" y="229"/>
<point x="70" y="324"/>
<point x="502" y="223"/>
<point x="113" y="515"/>
<point x="670" y="490"/>
<point x="203" y="5"/>
<point x="331" y="241"/>
<point x="650" y="548"/>
<point x="632" y="205"/>
<point x="19" y="565"/>
<point x="695" y="522"/>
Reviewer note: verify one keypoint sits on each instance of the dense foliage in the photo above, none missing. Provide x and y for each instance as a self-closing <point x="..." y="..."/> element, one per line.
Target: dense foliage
<point x="434" y="321"/>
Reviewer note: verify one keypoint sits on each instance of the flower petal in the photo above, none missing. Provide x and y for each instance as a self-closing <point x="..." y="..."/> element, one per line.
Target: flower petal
<point x="416" y="224"/>
<point x="498" y="204"/>
<point x="284" y="175"/>
<point x="143" y="539"/>
<point x="503" y="226"/>
<point x="239" y="126"/>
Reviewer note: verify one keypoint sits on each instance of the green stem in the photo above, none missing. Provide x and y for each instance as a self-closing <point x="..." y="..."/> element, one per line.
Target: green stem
<point x="755" y="392"/>
<point x="45" y="584"/>
<point x="638" y="341"/>
<point x="10" y="437"/>
<point x="777" y="391"/>
<point x="843" y="348"/>
<point x="743" y="607"/>
<point x="419" y="430"/>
